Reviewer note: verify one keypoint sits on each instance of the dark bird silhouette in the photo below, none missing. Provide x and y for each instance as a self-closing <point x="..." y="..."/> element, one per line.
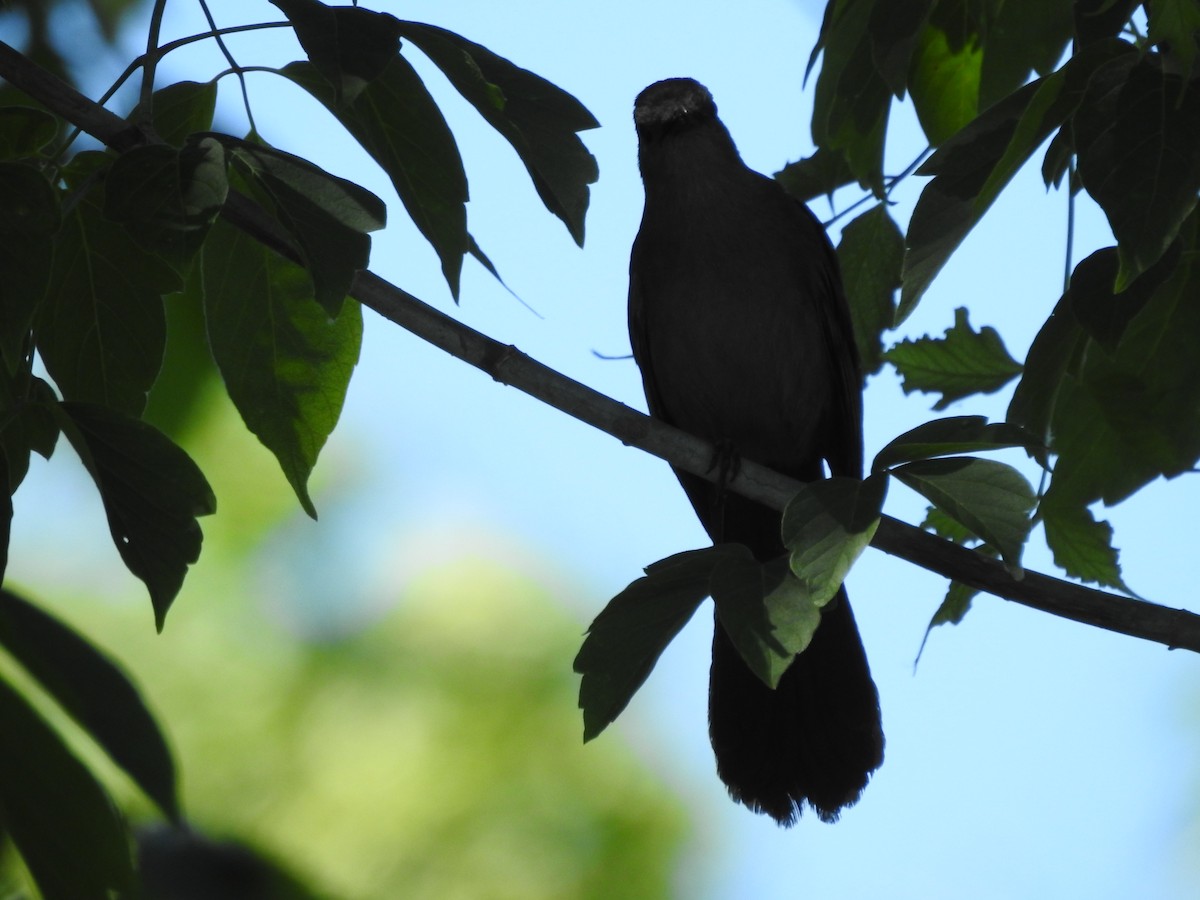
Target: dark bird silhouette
<point x="741" y="330"/>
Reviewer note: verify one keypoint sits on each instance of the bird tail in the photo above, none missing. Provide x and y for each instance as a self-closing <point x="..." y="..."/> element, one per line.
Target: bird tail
<point x="815" y="739"/>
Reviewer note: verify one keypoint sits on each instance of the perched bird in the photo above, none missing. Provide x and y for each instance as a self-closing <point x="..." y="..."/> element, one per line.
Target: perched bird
<point x="742" y="333"/>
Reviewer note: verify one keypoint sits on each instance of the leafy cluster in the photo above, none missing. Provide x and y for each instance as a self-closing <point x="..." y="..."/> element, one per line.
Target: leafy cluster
<point x="103" y="250"/>
<point x="1108" y="398"/>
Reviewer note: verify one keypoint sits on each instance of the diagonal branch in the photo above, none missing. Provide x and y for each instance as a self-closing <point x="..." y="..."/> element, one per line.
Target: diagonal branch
<point x="508" y="365"/>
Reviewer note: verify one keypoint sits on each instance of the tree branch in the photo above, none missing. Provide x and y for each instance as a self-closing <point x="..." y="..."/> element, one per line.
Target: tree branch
<point x="508" y="365"/>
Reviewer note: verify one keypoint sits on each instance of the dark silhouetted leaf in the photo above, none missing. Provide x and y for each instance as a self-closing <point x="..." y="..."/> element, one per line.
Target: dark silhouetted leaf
<point x="626" y="639"/>
<point x="181" y="109"/>
<point x="1136" y="140"/>
<point x="1054" y="352"/>
<point x="24" y="131"/>
<point x="991" y="499"/>
<point x="152" y="493"/>
<point x="168" y="198"/>
<point x="1022" y="35"/>
<point x="826" y="526"/>
<point x="1103" y="313"/>
<point x="539" y="119"/>
<point x="29" y="217"/>
<point x="396" y="121"/>
<point x="1097" y="20"/>
<point x="952" y="435"/>
<point x="63" y="823"/>
<point x="95" y="692"/>
<point x="350" y="46"/>
<point x="327" y="216"/>
<point x="285" y="361"/>
<point x="870" y="255"/>
<point x="850" y="109"/>
<point x="100" y="328"/>
<point x="894" y="27"/>
<point x="766" y="610"/>
<point x="29" y="425"/>
<point x="815" y="176"/>
<point x="962" y="363"/>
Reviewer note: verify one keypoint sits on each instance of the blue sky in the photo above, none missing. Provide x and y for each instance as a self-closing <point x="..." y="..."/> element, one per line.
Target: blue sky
<point x="1027" y="756"/>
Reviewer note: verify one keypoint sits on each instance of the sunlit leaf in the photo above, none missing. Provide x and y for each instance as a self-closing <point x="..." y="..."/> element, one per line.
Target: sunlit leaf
<point x="286" y="363"/>
<point x="1082" y="547"/>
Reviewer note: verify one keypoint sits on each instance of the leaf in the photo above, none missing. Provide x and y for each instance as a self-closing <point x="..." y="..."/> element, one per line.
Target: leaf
<point x="100" y="328"/>
<point x="870" y="255"/>
<point x="825" y="528"/>
<point x="1122" y="419"/>
<point x="168" y="198"/>
<point x="180" y="110"/>
<point x="64" y="825"/>
<point x="852" y="101"/>
<point x="1103" y="313"/>
<point x="952" y="435"/>
<point x="397" y="122"/>
<point x="95" y="692"/>
<point x="24" y="131"/>
<point x="626" y="639"/>
<point x="350" y="46"/>
<point x="1136" y="140"/>
<point x="25" y="404"/>
<point x="285" y="362"/>
<point x="766" y="610"/>
<point x="815" y="176"/>
<point x="991" y="499"/>
<point x="327" y="216"/>
<point x="944" y="82"/>
<point x="539" y="119"/>
<point x="937" y="522"/>
<point x="1082" y="547"/>
<point x="1096" y="20"/>
<point x="1022" y="35"/>
<point x="1054" y="352"/>
<point x="29" y="217"/>
<point x="152" y="494"/>
<point x="1174" y="25"/>
<point x="962" y="363"/>
<point x="894" y="27"/>
<point x="973" y="167"/>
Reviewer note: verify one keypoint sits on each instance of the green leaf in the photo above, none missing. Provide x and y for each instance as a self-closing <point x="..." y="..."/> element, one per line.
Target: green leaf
<point x="962" y="363"/>
<point x="894" y="27"/>
<point x="327" y="216"/>
<point x="1096" y="20"/>
<point x="626" y="639"/>
<point x="350" y="46"/>
<point x="1055" y="351"/>
<point x="870" y="255"/>
<point x="152" y="494"/>
<point x="815" y="176"/>
<point x="1022" y="35"/>
<point x="1103" y="313"/>
<point x="539" y="119"/>
<point x="937" y="522"/>
<point x="952" y="435"/>
<point x="24" y="131"/>
<point x="945" y="83"/>
<point x="1174" y="25"/>
<point x="396" y="121"/>
<point x="825" y="528"/>
<point x="25" y="408"/>
<point x="63" y="823"/>
<point x="285" y="362"/>
<point x="100" y="328"/>
<point x="1136" y="138"/>
<point x="766" y="610"/>
<point x="181" y="109"/>
<point x="95" y="692"/>
<point x="29" y="216"/>
<point x="972" y="168"/>
<point x="952" y="610"/>
<point x="1082" y="547"/>
<point x="852" y="101"/>
<point x="991" y="499"/>
<point x="168" y="198"/>
<point x="1123" y="419"/>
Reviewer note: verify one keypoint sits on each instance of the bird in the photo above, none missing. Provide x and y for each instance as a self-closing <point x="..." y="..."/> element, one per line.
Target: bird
<point x="740" y="326"/>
